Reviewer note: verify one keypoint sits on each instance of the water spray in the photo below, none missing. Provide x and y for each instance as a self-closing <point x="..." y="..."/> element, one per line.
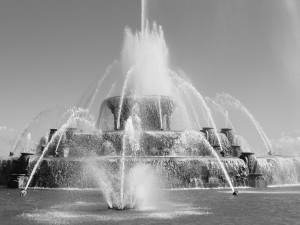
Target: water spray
<point x="27" y="128"/>
<point x="226" y="98"/>
<point x="72" y="118"/>
<point x="107" y="71"/>
<point x="143" y="15"/>
<point x="223" y="111"/>
<point x="127" y="77"/>
<point x="185" y="84"/>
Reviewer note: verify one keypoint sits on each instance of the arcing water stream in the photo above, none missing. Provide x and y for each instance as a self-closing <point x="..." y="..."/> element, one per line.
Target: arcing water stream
<point x="226" y="99"/>
<point x="224" y="112"/>
<point x="74" y="118"/>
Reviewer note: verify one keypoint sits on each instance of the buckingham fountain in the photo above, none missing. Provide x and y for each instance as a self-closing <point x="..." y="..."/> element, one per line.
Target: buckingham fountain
<point x="146" y="138"/>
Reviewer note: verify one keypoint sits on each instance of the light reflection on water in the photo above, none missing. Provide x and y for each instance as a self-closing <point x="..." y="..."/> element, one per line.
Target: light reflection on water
<point x="251" y="206"/>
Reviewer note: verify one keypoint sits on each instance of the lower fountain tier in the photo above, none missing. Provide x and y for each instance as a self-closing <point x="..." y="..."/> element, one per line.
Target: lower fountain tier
<point x="172" y="172"/>
<point x="144" y="143"/>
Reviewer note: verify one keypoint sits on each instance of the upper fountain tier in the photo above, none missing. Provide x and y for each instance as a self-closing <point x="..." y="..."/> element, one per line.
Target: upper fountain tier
<point x="153" y="111"/>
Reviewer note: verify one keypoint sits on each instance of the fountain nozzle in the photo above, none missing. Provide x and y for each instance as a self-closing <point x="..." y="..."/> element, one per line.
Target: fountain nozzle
<point x="23" y="192"/>
<point x="120" y="209"/>
<point x="235" y="192"/>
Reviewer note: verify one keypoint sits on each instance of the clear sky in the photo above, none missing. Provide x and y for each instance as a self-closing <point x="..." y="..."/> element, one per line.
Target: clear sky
<point x="50" y="51"/>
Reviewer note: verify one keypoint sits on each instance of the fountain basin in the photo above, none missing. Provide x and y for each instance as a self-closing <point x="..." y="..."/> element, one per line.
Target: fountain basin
<point x="171" y="172"/>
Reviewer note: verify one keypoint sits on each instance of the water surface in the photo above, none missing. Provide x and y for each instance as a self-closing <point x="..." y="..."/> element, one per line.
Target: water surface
<point x="277" y="205"/>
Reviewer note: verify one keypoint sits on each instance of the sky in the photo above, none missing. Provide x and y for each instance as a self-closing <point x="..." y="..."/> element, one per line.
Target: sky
<point x="51" y="51"/>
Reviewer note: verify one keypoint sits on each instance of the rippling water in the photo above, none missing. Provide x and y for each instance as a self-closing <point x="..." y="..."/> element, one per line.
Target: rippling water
<point x="277" y="205"/>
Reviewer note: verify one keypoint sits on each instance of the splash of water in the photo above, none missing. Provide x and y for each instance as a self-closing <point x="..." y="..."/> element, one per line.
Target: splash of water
<point x="82" y="116"/>
<point x="129" y="142"/>
<point x="122" y="170"/>
<point x="101" y="177"/>
<point x="148" y="53"/>
<point x="143" y="185"/>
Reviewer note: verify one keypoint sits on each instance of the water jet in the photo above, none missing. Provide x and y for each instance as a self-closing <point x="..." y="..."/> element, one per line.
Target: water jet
<point x="236" y="192"/>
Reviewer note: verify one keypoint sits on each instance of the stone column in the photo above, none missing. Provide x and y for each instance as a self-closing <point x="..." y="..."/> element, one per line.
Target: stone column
<point x="236" y="150"/>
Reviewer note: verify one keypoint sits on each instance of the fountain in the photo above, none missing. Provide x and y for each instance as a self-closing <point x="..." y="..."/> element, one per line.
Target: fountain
<point x="150" y="132"/>
<point x="144" y="138"/>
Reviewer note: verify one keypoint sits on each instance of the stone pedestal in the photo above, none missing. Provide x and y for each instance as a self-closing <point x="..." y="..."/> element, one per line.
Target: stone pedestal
<point x="209" y="133"/>
<point x="236" y="150"/>
<point x="229" y="134"/>
<point x="246" y="156"/>
<point x="24" y="162"/>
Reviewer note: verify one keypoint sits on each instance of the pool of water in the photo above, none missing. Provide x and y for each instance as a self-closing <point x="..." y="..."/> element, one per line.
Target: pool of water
<point x="274" y="205"/>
